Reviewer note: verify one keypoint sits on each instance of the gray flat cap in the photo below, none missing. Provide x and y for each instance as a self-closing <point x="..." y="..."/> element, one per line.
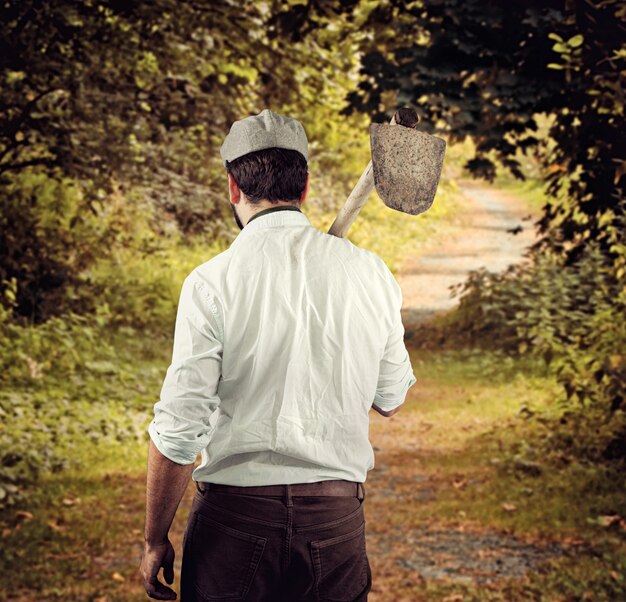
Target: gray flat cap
<point x="265" y="130"/>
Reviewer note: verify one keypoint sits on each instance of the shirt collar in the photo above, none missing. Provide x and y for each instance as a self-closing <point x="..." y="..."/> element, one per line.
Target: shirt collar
<point x="272" y="209"/>
<point x="275" y="217"/>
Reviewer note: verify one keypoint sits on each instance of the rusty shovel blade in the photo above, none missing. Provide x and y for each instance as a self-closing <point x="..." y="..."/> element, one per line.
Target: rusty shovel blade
<point x="407" y="166"/>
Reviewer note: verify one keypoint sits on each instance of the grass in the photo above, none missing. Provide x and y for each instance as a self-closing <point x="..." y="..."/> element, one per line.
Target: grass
<point x="82" y="536"/>
<point x="531" y="191"/>
<point x="459" y="433"/>
<point x="471" y="436"/>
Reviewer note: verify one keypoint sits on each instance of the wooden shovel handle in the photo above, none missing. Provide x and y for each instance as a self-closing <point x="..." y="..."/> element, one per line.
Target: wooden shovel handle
<point x="406" y="117"/>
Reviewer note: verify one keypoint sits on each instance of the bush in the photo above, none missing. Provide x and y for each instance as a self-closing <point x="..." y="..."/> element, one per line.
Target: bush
<point x="88" y="377"/>
<point x="61" y="383"/>
<point x="571" y="315"/>
<point x="47" y="239"/>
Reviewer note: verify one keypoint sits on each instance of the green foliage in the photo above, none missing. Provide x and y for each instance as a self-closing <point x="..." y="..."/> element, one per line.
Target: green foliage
<point x="47" y="237"/>
<point x="126" y="105"/>
<point x="490" y="73"/>
<point x="43" y="417"/>
<point x="102" y="88"/>
<point x="86" y="378"/>
<point x="140" y="287"/>
<point x="63" y="255"/>
<point x="569" y="314"/>
<point x="504" y="439"/>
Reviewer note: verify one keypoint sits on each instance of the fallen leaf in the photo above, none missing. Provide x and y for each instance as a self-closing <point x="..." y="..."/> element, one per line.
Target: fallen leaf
<point x="459" y="484"/>
<point x="509" y="507"/>
<point x="55" y="526"/>
<point x="35" y="368"/>
<point x="24" y="515"/>
<point x="70" y="555"/>
<point x="71" y="500"/>
<point x="573" y="541"/>
<point x="453" y="598"/>
<point x="610" y="520"/>
<point x="117" y="577"/>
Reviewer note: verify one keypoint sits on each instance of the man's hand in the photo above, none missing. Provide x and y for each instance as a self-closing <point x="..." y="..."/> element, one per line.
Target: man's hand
<point x="154" y="557"/>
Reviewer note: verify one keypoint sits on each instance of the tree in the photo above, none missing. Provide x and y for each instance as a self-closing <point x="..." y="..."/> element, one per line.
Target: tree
<point x="112" y="96"/>
<point x="485" y="69"/>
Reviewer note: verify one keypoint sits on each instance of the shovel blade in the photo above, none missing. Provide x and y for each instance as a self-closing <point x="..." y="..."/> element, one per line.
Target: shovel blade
<point x="407" y="166"/>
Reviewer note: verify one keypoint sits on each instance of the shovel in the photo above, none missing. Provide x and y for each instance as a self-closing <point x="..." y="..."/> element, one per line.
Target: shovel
<point x="405" y="169"/>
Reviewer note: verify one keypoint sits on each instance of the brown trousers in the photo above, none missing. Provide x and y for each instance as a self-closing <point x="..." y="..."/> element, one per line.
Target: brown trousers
<point x="285" y="548"/>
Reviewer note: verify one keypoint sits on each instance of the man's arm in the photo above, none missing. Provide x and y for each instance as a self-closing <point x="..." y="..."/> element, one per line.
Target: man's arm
<point x="166" y="484"/>
<point x="181" y="426"/>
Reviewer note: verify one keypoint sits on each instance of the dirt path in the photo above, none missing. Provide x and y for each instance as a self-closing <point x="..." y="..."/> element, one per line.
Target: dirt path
<point x="482" y="236"/>
<point x="412" y="545"/>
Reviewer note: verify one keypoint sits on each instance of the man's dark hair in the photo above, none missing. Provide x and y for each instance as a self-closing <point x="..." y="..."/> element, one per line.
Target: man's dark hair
<point x="275" y="174"/>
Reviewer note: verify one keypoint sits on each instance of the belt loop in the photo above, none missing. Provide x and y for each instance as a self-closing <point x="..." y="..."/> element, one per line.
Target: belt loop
<point x="288" y="492"/>
<point x="202" y="490"/>
<point x="360" y="491"/>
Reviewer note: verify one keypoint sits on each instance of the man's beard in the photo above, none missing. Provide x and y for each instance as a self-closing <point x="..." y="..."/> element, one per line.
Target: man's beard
<point x="236" y="217"/>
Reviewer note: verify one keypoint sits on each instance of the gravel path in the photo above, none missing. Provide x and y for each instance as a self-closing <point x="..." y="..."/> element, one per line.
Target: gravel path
<point x="493" y="230"/>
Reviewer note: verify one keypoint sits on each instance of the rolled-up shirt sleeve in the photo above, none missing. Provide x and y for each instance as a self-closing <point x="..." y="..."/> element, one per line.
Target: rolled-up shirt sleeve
<point x="396" y="372"/>
<point x="180" y="428"/>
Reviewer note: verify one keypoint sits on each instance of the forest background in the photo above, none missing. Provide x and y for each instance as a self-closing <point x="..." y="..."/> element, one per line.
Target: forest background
<point x="112" y="190"/>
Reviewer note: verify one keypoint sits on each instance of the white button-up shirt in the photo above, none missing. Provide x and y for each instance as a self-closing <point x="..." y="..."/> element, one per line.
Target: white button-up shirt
<point x="282" y="344"/>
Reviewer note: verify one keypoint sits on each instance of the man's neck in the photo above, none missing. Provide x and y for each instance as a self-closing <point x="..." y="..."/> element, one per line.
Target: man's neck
<point x="269" y="207"/>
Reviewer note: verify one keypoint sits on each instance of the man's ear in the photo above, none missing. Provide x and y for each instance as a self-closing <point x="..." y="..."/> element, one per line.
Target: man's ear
<point x="234" y="192"/>
<point x="305" y="192"/>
